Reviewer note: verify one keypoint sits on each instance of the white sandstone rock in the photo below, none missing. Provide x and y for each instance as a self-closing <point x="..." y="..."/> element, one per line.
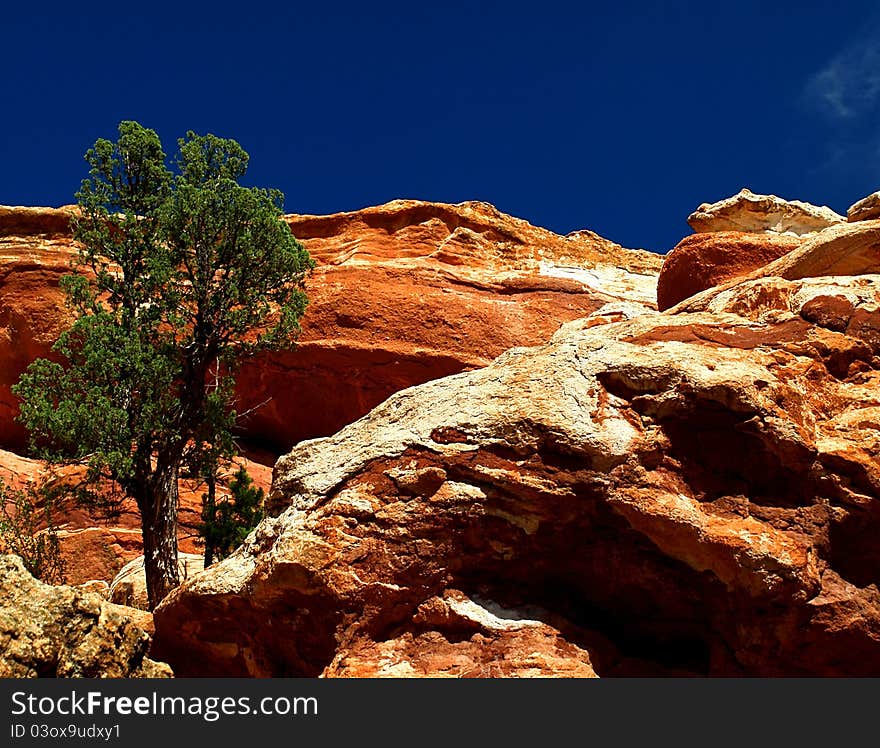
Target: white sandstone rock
<point x="865" y="209"/>
<point x="749" y="212"/>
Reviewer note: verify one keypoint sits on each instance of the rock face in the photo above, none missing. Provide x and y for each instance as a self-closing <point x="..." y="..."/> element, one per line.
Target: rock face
<point x="687" y="493"/>
<point x="404" y="293"/>
<point x="693" y="492"/>
<point x="749" y="212"/>
<point x="481" y="640"/>
<point x="32" y="309"/>
<point x="67" y="632"/>
<point x="866" y="209"/>
<point x="412" y="291"/>
<point x="701" y="261"/>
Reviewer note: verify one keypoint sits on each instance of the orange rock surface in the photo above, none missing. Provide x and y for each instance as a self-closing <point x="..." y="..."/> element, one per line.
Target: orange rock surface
<point x="32" y="312"/>
<point x="690" y="492"/>
<point x="702" y="261"/>
<point x="404" y="293"/>
<point x="96" y="544"/>
<point x="687" y="492"/>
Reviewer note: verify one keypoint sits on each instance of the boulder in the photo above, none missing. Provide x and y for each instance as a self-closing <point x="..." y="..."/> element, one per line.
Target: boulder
<point x="702" y="261"/>
<point x="849" y="249"/>
<point x="129" y="586"/>
<point x="67" y="632"/>
<point x="749" y="212"/>
<point x="690" y="493"/>
<point x="739" y="236"/>
<point x="866" y="209"/>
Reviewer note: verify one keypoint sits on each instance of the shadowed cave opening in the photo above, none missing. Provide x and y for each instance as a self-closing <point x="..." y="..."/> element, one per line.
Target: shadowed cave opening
<point x="724" y="453"/>
<point x="605" y="586"/>
<point x="854" y="552"/>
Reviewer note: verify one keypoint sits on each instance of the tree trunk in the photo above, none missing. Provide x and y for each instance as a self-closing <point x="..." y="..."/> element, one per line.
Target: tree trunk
<point x="159" y="526"/>
<point x="210" y="514"/>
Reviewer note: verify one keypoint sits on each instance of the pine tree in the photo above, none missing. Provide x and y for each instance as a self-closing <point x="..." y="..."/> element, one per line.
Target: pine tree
<point x="226" y="523"/>
<point x="180" y="273"/>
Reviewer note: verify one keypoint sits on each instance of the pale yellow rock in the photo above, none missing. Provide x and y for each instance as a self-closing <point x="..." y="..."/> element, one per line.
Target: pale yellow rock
<point x="749" y="212"/>
<point x="129" y="587"/>
<point x="866" y="209"/>
<point x="67" y="632"/>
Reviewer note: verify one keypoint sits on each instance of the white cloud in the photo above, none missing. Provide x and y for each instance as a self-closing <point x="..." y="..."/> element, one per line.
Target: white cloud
<point x="848" y="86"/>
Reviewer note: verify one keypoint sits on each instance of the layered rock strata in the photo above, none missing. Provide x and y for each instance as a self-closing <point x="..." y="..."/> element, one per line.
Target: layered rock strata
<point x="404" y="293"/>
<point x="685" y="493"/>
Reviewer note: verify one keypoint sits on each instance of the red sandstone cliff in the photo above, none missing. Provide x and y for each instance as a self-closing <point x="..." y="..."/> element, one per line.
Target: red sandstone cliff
<point x="688" y="492"/>
<point x="695" y="492"/>
<point x="403" y="293"/>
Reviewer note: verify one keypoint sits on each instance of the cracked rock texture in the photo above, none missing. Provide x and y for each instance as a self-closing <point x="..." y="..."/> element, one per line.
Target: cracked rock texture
<point x="693" y="492"/>
<point x="67" y="632"/>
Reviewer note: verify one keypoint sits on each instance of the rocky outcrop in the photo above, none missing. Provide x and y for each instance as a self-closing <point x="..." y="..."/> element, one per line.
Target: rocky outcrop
<point x="19" y="220"/>
<point x="404" y="293"/>
<point x="682" y="493"/>
<point x="847" y="250"/>
<point x="412" y="291"/>
<point x="749" y="212"/>
<point x="480" y="640"/>
<point x="866" y="209"/>
<point x="702" y="261"/>
<point x="699" y="266"/>
<point x="67" y="632"/>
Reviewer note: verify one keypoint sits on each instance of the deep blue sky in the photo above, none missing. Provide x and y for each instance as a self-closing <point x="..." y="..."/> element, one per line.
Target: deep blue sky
<point x="618" y="116"/>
